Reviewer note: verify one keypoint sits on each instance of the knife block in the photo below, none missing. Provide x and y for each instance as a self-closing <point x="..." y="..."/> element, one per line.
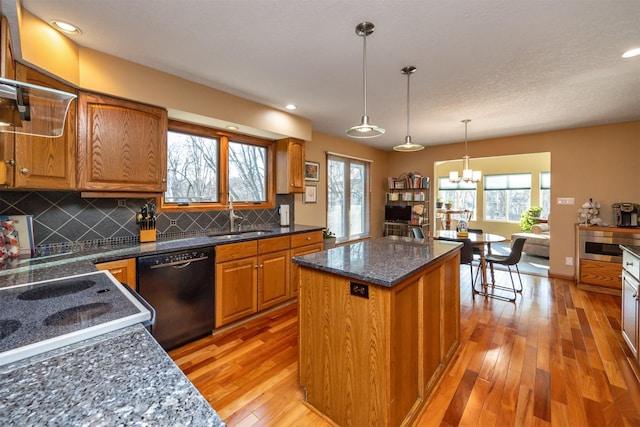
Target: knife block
<point x="148" y="235"/>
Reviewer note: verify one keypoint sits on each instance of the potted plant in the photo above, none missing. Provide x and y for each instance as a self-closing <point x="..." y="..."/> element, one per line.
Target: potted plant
<point x="328" y="239"/>
<point x="448" y="204"/>
<point x="438" y="203"/>
<point x="530" y="217"/>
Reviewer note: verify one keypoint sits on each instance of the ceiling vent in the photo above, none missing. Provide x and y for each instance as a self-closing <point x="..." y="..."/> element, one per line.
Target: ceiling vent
<point x="32" y="110"/>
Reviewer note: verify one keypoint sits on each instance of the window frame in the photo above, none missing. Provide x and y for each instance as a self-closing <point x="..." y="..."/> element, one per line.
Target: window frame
<point x="224" y="138"/>
<point x="508" y="187"/>
<point x="366" y="194"/>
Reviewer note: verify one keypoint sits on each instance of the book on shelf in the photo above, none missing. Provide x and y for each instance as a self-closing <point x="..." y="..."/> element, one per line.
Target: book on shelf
<point x="408" y="181"/>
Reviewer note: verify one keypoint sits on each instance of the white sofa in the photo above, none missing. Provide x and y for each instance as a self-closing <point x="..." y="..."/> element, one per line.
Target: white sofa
<point x="537" y="241"/>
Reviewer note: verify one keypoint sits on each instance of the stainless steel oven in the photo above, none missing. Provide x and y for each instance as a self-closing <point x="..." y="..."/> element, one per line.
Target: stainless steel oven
<point x="600" y="245"/>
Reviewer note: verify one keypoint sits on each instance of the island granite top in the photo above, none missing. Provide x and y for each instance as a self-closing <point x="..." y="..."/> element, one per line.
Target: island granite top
<point x="384" y="261"/>
<point x="634" y="250"/>
<point x="120" y="378"/>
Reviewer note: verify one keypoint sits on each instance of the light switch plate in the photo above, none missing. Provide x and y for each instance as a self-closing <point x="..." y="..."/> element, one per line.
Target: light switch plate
<point x="566" y="201"/>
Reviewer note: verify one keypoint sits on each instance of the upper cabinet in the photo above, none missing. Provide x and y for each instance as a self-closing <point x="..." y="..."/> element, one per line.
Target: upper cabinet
<point x="34" y="162"/>
<point x="7" y="65"/>
<point x="122" y="145"/>
<point x="290" y="166"/>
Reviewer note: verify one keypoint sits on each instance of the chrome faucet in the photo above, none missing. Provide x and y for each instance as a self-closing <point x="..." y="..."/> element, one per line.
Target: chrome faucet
<point x="232" y="216"/>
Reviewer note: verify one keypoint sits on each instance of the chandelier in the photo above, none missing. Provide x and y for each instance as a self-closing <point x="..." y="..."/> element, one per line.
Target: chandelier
<point x="468" y="174"/>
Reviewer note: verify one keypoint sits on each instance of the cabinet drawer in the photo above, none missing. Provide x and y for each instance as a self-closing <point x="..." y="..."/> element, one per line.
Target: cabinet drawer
<point x="274" y="244"/>
<point x="606" y="274"/>
<point x="236" y="251"/>
<point x="304" y="239"/>
<point x="631" y="263"/>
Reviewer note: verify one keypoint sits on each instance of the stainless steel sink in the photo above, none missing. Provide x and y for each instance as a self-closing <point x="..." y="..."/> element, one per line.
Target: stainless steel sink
<point x="238" y="234"/>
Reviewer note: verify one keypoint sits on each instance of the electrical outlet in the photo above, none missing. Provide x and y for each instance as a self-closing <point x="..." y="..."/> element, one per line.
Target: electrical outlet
<point x="122" y="203"/>
<point x="568" y="260"/>
<point x="566" y="201"/>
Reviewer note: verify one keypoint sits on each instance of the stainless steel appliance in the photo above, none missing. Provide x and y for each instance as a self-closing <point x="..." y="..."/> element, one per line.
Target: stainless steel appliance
<point x="180" y="286"/>
<point x="42" y="316"/>
<point x="284" y="215"/>
<point x="601" y="245"/>
<point x="625" y="214"/>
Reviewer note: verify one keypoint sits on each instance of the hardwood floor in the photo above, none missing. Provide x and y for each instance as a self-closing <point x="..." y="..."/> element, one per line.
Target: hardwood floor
<point x="554" y="358"/>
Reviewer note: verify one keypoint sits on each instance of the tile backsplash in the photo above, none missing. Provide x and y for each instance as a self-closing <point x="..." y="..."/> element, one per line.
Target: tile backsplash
<point x="64" y="218"/>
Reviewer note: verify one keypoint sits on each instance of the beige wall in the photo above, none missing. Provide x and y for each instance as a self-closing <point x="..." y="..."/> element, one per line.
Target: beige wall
<point x="599" y="162"/>
<point x="48" y="50"/>
<point x="316" y="213"/>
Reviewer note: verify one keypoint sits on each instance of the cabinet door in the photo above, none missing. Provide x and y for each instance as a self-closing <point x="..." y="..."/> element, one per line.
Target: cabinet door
<point x="123" y="270"/>
<point x="295" y="268"/>
<point x="122" y="145"/>
<point x="630" y="312"/>
<point x="273" y="279"/>
<point x="236" y="288"/>
<point x="45" y="163"/>
<point x="290" y="166"/>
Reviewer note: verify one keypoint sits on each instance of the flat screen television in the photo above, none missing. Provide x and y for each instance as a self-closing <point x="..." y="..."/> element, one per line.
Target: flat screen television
<point x="397" y="213"/>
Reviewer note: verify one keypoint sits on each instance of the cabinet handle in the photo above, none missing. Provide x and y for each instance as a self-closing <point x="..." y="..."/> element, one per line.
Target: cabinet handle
<point x="10" y="162"/>
<point x="629" y="263"/>
<point x="255" y="266"/>
<point x="308" y="238"/>
<point x="164" y="179"/>
<point x="261" y="265"/>
<point x="24" y="171"/>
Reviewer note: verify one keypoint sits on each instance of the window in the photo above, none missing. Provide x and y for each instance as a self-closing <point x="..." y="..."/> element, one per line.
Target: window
<point x="348" y="197"/>
<point x="461" y="194"/>
<point x="206" y="167"/>
<point x="545" y="194"/>
<point x="506" y="196"/>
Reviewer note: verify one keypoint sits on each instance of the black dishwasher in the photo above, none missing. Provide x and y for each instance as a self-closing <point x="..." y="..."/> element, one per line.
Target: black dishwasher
<point x="180" y="286"/>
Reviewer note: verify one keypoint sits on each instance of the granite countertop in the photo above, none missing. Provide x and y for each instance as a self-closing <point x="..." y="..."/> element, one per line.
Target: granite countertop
<point x="120" y="378"/>
<point x="634" y="250"/>
<point x="28" y="270"/>
<point x="384" y="261"/>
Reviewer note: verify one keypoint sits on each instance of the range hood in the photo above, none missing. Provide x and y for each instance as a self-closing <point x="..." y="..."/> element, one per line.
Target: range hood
<point x="32" y="110"/>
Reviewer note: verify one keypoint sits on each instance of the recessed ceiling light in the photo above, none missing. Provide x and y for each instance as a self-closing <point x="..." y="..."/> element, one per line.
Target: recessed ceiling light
<point x="632" y="52"/>
<point x="290" y="107"/>
<point x="232" y="127"/>
<point x="65" y="27"/>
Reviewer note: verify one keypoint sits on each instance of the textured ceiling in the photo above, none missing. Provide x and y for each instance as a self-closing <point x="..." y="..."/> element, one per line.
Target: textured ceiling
<point x="513" y="67"/>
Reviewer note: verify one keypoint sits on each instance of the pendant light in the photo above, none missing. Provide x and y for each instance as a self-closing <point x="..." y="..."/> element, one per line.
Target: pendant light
<point x="468" y="174"/>
<point x="408" y="145"/>
<point x="365" y="129"/>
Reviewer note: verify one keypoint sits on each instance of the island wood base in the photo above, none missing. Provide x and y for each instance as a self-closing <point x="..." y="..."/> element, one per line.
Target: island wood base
<point x="374" y="361"/>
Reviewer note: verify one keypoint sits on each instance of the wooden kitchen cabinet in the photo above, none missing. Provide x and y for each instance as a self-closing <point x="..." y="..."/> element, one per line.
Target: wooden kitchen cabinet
<point x="35" y="162"/>
<point x="289" y="166"/>
<point x="236" y="281"/>
<point x="250" y="277"/>
<point x="605" y="275"/>
<point x="122" y="145"/>
<point x="273" y="271"/>
<point x="124" y="270"/>
<point x="7" y="63"/>
<point x="302" y="244"/>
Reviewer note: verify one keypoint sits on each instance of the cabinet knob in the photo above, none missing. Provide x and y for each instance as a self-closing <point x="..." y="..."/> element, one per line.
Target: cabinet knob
<point x="261" y="265"/>
<point x="164" y="179"/>
<point x="24" y="171"/>
<point x="308" y="238"/>
<point x="255" y="266"/>
<point x="10" y="162"/>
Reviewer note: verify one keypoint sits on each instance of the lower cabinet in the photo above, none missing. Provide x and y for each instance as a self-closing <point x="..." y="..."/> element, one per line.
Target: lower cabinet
<point x="124" y="270"/>
<point x="236" y="281"/>
<point x="250" y="277"/>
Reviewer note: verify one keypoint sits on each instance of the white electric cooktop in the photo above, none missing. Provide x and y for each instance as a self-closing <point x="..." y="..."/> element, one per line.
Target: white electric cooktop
<point x="42" y="316"/>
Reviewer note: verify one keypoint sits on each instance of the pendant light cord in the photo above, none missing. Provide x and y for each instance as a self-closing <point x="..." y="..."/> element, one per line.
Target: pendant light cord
<point x="364" y="71"/>
<point x="408" y="95"/>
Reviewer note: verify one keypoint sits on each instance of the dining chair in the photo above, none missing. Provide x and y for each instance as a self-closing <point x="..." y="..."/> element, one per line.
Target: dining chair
<point x="512" y="259"/>
<point x="417" y="233"/>
<point x="466" y="257"/>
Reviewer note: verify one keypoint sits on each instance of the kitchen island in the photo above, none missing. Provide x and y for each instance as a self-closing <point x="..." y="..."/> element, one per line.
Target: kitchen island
<point x="379" y="324"/>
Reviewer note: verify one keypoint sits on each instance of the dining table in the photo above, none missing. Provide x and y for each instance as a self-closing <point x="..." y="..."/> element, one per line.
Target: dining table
<point x="482" y="241"/>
